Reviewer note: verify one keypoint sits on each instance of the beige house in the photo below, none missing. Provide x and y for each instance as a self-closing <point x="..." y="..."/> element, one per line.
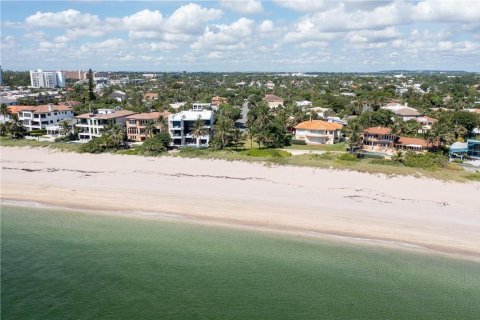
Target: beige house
<point x="318" y="132"/>
<point x="136" y="124"/>
<point x="273" y="101"/>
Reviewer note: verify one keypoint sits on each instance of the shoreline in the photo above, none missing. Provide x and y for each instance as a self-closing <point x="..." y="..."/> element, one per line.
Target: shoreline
<point x="171" y="217"/>
<point x="437" y="216"/>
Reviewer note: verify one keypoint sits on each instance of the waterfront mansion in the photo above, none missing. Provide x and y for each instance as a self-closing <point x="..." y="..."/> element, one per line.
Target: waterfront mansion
<point x="318" y="132"/>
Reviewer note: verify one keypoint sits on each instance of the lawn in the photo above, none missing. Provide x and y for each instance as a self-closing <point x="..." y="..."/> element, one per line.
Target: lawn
<point x="9" y="142"/>
<point x="321" y="147"/>
<point x="68" y="265"/>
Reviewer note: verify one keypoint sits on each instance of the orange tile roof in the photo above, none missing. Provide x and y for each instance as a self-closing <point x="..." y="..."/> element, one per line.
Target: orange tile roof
<point x="378" y="130"/>
<point x="17" y="109"/>
<point x="148" y="115"/>
<point x="272" y="98"/>
<point x="413" y="141"/>
<point x="40" y="109"/>
<point x="117" y="114"/>
<point x="319" y="125"/>
<point x="150" y="95"/>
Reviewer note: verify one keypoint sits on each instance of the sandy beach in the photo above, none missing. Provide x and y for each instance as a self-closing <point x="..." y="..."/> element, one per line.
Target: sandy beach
<point x="404" y="211"/>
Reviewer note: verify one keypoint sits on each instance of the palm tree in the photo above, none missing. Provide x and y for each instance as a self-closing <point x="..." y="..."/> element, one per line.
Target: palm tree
<point x="150" y="129"/>
<point x="460" y="131"/>
<point x="223" y="128"/>
<point x="198" y="131"/>
<point x="115" y="136"/>
<point x="163" y="123"/>
<point x="355" y="138"/>
<point x="4" y="111"/>
<point x="65" y="127"/>
<point x="16" y="128"/>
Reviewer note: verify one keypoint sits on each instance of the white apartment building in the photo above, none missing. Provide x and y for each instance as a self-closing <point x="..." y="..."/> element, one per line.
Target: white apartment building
<point x="91" y="125"/>
<point x="47" y="79"/>
<point x="180" y="127"/>
<point x="39" y="117"/>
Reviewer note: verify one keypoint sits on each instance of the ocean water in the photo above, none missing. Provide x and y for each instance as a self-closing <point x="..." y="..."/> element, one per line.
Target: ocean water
<point x="59" y="264"/>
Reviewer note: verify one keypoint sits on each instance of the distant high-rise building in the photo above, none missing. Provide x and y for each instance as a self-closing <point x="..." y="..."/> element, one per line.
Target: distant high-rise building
<point x="47" y="79"/>
<point x="76" y="75"/>
<point x="1" y="76"/>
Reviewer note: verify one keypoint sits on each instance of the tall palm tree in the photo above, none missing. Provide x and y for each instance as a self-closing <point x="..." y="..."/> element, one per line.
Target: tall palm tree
<point x="163" y="123"/>
<point x="65" y="127"/>
<point x="223" y="130"/>
<point x="150" y="129"/>
<point x="4" y="111"/>
<point x="115" y="136"/>
<point x="198" y="131"/>
<point x="460" y="131"/>
<point x="16" y="128"/>
<point x="355" y="137"/>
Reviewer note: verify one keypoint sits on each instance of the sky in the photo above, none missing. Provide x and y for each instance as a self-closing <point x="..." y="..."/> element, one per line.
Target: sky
<point x="243" y="35"/>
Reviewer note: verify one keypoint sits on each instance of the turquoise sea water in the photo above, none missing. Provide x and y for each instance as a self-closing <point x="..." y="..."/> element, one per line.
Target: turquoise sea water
<point x="69" y="265"/>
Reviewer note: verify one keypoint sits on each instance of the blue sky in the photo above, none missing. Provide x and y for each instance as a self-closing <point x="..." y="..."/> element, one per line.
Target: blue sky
<point x="243" y="35"/>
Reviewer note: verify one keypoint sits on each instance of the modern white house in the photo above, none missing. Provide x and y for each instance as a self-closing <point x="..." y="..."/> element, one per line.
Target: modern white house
<point x="91" y="125"/>
<point x="180" y="127"/>
<point x="426" y="123"/>
<point x="318" y="132"/>
<point x="198" y="106"/>
<point x="303" y="104"/>
<point x="39" y="117"/>
<point x="118" y="95"/>
<point x="47" y="79"/>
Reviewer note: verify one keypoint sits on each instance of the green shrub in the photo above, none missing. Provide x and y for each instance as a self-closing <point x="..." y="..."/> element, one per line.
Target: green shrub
<point x="473" y="176"/>
<point x="96" y="145"/>
<point x="191" y="152"/>
<point x="425" y="161"/>
<point x="348" y="157"/>
<point x="323" y="156"/>
<point x="267" y="153"/>
<point x="300" y="142"/>
<point x="386" y="162"/>
<point x="156" y="144"/>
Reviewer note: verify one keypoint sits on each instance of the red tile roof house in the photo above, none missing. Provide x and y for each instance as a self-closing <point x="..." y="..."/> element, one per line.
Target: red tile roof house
<point x="318" y="132"/>
<point x="39" y="117"/>
<point x="273" y="101"/>
<point x="382" y="140"/>
<point x="136" y="124"/>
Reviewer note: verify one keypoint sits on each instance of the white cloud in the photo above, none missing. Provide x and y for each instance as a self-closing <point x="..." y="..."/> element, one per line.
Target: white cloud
<point x="243" y="6"/>
<point x="303" y="5"/>
<point x="64" y="19"/>
<point x="266" y="26"/>
<point x="215" y="55"/>
<point x="225" y="37"/>
<point x="447" y="11"/>
<point x="373" y="36"/>
<point x="191" y="19"/>
<point x="160" y="46"/>
<point x="142" y="20"/>
<point x="107" y="47"/>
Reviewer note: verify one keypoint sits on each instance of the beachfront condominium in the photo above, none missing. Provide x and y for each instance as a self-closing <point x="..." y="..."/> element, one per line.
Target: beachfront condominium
<point x="39" y="117"/>
<point x="47" y="79"/>
<point x="181" y="127"/>
<point x="137" y="124"/>
<point x="91" y="125"/>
